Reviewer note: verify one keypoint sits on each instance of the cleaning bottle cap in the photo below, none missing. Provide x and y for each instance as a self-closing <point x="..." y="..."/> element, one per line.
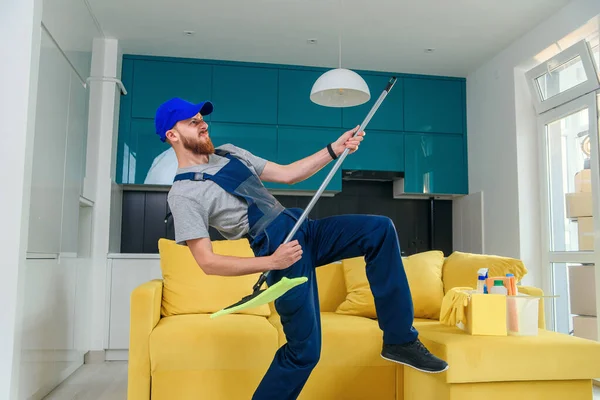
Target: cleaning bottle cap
<point x="481" y="278"/>
<point x="509" y="275"/>
<point x="498" y="283"/>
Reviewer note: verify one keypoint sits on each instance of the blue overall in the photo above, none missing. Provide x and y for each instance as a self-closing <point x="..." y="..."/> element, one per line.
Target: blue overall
<point x="323" y="241"/>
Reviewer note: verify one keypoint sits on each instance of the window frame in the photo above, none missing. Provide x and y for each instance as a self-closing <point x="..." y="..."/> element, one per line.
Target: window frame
<point x="591" y="101"/>
<point x="581" y="49"/>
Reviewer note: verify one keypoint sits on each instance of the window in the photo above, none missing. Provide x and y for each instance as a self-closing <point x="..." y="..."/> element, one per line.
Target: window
<point x="569" y="184"/>
<point x="566" y="94"/>
<point x="566" y="76"/>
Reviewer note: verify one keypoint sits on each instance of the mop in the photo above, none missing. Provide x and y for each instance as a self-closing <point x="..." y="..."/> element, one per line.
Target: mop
<point x="264" y="296"/>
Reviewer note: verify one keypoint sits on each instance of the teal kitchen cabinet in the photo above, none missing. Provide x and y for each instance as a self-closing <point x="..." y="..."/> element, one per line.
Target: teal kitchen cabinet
<point x="294" y="144"/>
<point x="144" y="147"/>
<point x="244" y="94"/>
<point x="435" y="164"/>
<point x="420" y="129"/>
<point x="389" y="116"/>
<point x="379" y="151"/>
<point x="434" y="105"/>
<point x="260" y="140"/>
<point x="294" y="104"/>
<point x="154" y="82"/>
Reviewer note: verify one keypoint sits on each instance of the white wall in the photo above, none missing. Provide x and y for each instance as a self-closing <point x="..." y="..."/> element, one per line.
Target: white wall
<point x="56" y="272"/>
<point x="19" y="41"/>
<point x="45" y="326"/>
<point x="467" y="223"/>
<point x="502" y="147"/>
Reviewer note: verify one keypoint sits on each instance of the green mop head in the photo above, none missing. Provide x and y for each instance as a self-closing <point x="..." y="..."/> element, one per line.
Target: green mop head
<point x="264" y="296"/>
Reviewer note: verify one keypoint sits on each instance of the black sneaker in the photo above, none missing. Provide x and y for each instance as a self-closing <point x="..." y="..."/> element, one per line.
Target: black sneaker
<point x="415" y="355"/>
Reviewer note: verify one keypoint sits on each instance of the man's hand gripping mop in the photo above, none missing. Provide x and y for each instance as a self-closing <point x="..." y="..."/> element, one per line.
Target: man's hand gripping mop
<point x="264" y="296"/>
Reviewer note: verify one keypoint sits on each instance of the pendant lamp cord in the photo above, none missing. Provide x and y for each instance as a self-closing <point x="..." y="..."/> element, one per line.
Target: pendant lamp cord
<point x="340" y="34"/>
<point x="340" y="45"/>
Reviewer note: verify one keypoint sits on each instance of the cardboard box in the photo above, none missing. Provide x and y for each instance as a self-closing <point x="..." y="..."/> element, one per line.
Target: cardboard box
<point x="579" y="205"/>
<point x="585" y="327"/>
<point x="582" y="292"/>
<point x="486" y="315"/>
<point x="583" y="181"/>
<point x="585" y="230"/>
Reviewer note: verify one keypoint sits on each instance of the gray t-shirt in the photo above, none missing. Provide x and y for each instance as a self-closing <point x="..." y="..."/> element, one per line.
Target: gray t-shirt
<point x="196" y="205"/>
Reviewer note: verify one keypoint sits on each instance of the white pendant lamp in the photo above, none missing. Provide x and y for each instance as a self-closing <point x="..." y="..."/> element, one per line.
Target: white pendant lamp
<point x="340" y="87"/>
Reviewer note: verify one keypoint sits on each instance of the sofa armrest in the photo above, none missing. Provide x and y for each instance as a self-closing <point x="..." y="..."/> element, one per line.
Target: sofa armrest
<point x="144" y="316"/>
<point x="534" y="291"/>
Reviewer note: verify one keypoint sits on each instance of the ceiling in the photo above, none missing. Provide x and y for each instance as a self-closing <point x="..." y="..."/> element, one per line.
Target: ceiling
<point x="386" y="35"/>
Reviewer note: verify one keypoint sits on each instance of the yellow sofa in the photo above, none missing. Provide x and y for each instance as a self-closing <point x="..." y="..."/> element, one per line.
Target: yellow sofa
<point x="177" y="352"/>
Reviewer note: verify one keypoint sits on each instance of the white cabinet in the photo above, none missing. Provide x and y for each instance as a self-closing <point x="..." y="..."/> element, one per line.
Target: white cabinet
<point x="125" y="275"/>
<point x="48" y="170"/>
<point x="59" y="150"/>
<point x="54" y="321"/>
<point x="74" y="166"/>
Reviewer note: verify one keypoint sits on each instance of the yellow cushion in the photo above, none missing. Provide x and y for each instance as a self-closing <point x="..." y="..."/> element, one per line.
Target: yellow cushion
<point x="548" y="356"/>
<point x="460" y="269"/>
<point x="424" y="273"/>
<point x="359" y="300"/>
<point x="196" y="342"/>
<point x="188" y="290"/>
<point x="331" y="286"/>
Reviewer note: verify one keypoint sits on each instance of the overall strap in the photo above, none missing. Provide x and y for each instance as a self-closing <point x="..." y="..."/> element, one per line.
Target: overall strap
<point x="221" y="152"/>
<point x="192" y="176"/>
<point x="201" y="176"/>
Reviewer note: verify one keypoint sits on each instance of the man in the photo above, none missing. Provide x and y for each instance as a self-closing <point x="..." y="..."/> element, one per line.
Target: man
<point x="223" y="188"/>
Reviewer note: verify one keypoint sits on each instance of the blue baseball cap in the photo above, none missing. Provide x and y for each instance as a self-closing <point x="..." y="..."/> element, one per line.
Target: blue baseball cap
<point x="174" y="110"/>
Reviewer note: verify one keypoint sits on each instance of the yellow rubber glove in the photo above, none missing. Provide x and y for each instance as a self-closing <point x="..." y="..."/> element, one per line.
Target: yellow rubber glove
<point x="454" y="305"/>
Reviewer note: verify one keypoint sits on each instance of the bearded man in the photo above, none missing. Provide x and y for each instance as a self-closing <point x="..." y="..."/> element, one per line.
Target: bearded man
<point x="223" y="188"/>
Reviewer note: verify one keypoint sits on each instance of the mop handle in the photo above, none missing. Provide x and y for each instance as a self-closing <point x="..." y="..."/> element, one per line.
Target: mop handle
<point x="339" y="161"/>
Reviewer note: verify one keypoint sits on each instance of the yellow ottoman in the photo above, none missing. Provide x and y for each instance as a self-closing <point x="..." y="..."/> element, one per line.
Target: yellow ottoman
<point x="550" y="366"/>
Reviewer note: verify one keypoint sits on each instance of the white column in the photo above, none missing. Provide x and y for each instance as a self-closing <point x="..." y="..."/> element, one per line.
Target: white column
<point x="99" y="185"/>
<point x="20" y="43"/>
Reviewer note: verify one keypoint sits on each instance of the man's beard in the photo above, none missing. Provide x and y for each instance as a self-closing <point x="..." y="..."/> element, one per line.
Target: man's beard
<point x="198" y="147"/>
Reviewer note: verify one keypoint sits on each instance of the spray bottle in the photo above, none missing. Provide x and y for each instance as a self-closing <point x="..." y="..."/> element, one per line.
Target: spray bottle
<point x="482" y="275"/>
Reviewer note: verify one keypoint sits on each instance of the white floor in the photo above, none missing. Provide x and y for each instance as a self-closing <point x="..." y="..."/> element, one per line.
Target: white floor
<point x="108" y="381"/>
